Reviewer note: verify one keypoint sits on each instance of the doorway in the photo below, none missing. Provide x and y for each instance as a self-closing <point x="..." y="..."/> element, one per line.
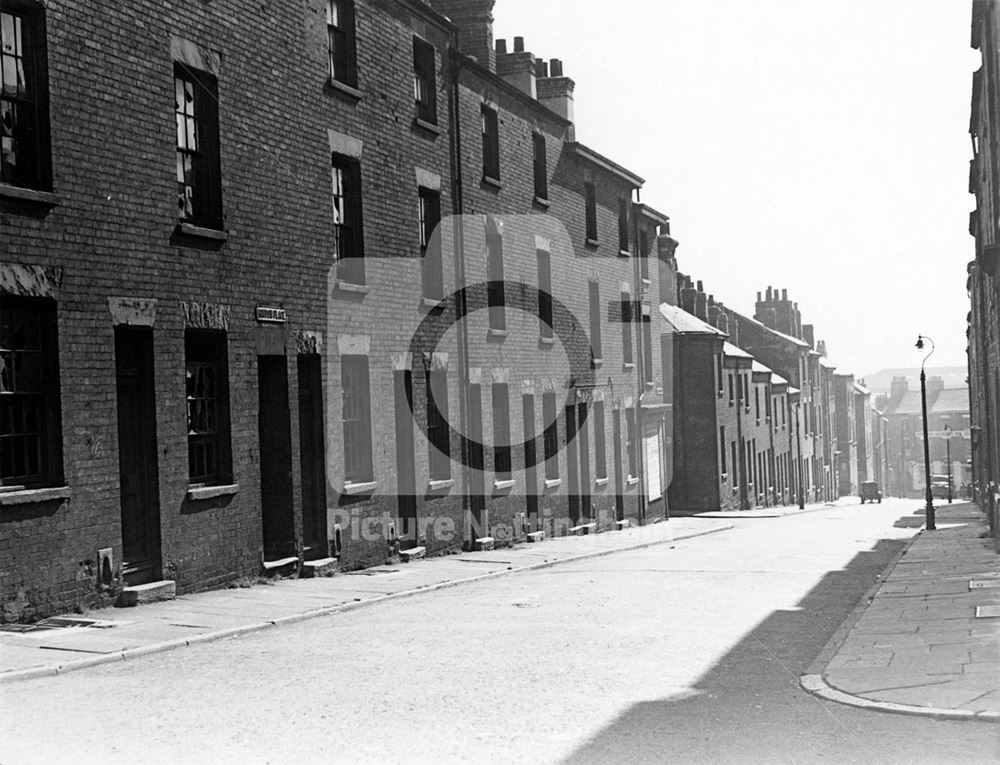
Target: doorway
<point x="275" y="433"/>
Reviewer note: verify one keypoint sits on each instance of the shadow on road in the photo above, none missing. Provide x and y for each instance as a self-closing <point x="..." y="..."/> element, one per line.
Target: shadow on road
<point x="749" y="708"/>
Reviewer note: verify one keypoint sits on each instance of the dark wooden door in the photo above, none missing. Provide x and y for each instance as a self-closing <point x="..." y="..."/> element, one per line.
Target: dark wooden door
<point x="137" y="462"/>
<point x="312" y="455"/>
<point x="406" y="475"/>
<point x="275" y="427"/>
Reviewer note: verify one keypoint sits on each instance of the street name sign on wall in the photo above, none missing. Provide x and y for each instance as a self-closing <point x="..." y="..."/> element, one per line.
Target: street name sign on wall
<point x="269" y="315"/>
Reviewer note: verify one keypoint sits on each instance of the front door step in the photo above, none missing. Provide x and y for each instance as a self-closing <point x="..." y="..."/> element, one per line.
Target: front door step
<point x="536" y="536"/>
<point x="312" y="569"/>
<point x="414" y="553"/>
<point x="483" y="543"/>
<point x="147" y="593"/>
<point x="584" y="528"/>
<point x="281" y="566"/>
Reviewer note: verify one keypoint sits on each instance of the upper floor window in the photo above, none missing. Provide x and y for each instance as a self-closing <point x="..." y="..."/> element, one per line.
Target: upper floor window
<point x="595" y="321"/>
<point x="627" y="319"/>
<point x="590" y="202"/>
<point x="600" y="451"/>
<point x="491" y="144"/>
<point x="496" y="299"/>
<point x="644" y="254"/>
<point x="550" y="436"/>
<point x="646" y="328"/>
<point x="30" y="421"/>
<point x="429" y="203"/>
<point x="541" y="169"/>
<point x="732" y="395"/>
<point x="348" y="240"/>
<point x="199" y="177"/>
<point x="623" y="238"/>
<point x="340" y="35"/>
<point x="631" y="443"/>
<point x="24" y="128"/>
<point x="207" y="375"/>
<point x="424" y="81"/>
<point x="357" y="419"/>
<point x="544" y="293"/>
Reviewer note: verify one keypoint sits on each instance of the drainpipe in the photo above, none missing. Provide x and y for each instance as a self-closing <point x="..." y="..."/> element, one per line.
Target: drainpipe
<point x="461" y="308"/>
<point x="640" y="367"/>
<point x="741" y="465"/>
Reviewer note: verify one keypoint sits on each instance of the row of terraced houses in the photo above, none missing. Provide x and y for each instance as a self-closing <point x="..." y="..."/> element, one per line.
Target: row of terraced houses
<point x="393" y="308"/>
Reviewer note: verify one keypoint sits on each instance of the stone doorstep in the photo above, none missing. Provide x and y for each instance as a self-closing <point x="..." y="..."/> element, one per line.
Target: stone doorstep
<point x="274" y="565"/>
<point x="313" y="569"/>
<point x="147" y="593"/>
<point x="414" y="553"/>
<point x="535" y="536"/>
<point x="583" y="528"/>
<point x="622" y="525"/>
<point x="483" y="544"/>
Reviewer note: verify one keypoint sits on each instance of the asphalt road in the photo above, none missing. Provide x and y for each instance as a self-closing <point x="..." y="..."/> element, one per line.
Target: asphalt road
<point x="681" y="653"/>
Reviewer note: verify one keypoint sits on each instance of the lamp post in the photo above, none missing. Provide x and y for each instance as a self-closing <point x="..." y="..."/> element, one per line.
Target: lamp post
<point x="948" y="445"/>
<point x="929" y="525"/>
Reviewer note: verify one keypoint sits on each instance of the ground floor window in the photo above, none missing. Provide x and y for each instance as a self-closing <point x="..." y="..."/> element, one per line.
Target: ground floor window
<point x="30" y="421"/>
<point x="207" y="373"/>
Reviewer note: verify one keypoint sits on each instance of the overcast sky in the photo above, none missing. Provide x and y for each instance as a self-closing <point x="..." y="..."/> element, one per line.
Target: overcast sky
<point x="822" y="147"/>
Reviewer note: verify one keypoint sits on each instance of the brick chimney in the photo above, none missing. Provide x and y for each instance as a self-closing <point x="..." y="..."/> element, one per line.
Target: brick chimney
<point x="934" y="386"/>
<point x="722" y="320"/>
<point x="808" y="335"/>
<point x="713" y="311"/>
<point x="556" y="90"/>
<point x="474" y="19"/>
<point x="701" y="302"/>
<point x="518" y="67"/>
<point x="898" y="388"/>
<point x="666" y="246"/>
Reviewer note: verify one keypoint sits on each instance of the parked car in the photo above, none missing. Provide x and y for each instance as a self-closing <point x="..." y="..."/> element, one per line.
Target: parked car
<point x="939" y="486"/>
<point x="871" y="492"/>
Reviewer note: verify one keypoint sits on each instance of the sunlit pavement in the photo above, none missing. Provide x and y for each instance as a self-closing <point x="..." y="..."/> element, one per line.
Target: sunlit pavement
<point x="688" y="651"/>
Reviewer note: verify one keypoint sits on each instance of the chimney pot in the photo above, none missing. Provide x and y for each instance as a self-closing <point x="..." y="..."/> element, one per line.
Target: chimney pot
<point x="557" y="68"/>
<point x="519" y="45"/>
<point x="501" y="47"/>
<point x="758" y="297"/>
<point x="784" y="294"/>
<point x="701" y="288"/>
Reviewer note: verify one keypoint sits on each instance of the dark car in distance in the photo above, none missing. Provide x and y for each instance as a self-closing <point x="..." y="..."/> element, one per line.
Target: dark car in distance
<point x="870" y="492"/>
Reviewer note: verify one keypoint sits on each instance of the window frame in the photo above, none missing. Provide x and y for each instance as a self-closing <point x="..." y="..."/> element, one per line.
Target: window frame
<point x="209" y="349"/>
<point x="631" y="442"/>
<point x="600" y="442"/>
<point x="500" y="399"/>
<point x="432" y="264"/>
<point x="590" y="210"/>
<point x="342" y="65"/>
<point x="545" y="313"/>
<point x="496" y="299"/>
<point x="628" y="352"/>
<point x="355" y="379"/>
<point x="438" y="429"/>
<point x="550" y="436"/>
<point x="491" y="143"/>
<point x="47" y="429"/>
<point x="425" y="81"/>
<point x="624" y="240"/>
<point x="540" y="164"/>
<point x="345" y="176"/>
<point x="32" y="49"/>
<point x="198" y="169"/>
<point x="596" y="343"/>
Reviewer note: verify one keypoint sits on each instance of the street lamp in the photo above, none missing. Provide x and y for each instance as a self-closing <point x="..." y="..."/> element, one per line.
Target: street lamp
<point x="948" y="444"/>
<point x="929" y="525"/>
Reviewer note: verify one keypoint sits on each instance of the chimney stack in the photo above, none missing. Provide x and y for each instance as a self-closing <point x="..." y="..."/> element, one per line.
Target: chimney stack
<point x="518" y="68"/>
<point x="556" y="91"/>
<point x="474" y="19"/>
<point x="807" y="334"/>
<point x="898" y="388"/>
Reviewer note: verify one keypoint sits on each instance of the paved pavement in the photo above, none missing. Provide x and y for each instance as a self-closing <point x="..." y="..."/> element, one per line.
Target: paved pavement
<point x="122" y="634"/>
<point x="927" y="640"/>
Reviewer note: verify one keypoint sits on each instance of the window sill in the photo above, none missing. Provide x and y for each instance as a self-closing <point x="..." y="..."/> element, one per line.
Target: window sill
<point x="21" y="194"/>
<point x="196" y="493"/>
<point x="591" y="242"/>
<point x="549" y="341"/>
<point x="33" y="496"/>
<point x="597" y="363"/>
<point x="432" y="304"/>
<point x="601" y="482"/>
<point x="646" y="282"/>
<point x="342" y="88"/>
<point x="628" y="366"/>
<point x="440" y="485"/>
<point x="494" y="182"/>
<point x="505" y="485"/>
<point x="624" y="253"/>
<point x="631" y="480"/>
<point x="360" y="488"/>
<point x="553" y="483"/>
<point x="427" y="127"/>
<point x="541" y="201"/>
<point x="351" y="288"/>
<point x="202" y="232"/>
<point x="497" y="334"/>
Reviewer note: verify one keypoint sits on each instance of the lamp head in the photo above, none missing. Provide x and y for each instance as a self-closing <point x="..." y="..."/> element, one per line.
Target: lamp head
<point x="920" y="342"/>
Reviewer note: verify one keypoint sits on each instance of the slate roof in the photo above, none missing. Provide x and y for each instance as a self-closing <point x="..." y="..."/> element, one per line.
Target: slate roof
<point x="686" y="324"/>
<point x="731" y="350"/>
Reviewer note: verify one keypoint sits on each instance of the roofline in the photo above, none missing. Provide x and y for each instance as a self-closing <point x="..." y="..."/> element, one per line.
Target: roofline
<point x="431" y="14"/>
<point x="589" y="155"/>
<point x="654" y="215"/>
<point x="471" y="64"/>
